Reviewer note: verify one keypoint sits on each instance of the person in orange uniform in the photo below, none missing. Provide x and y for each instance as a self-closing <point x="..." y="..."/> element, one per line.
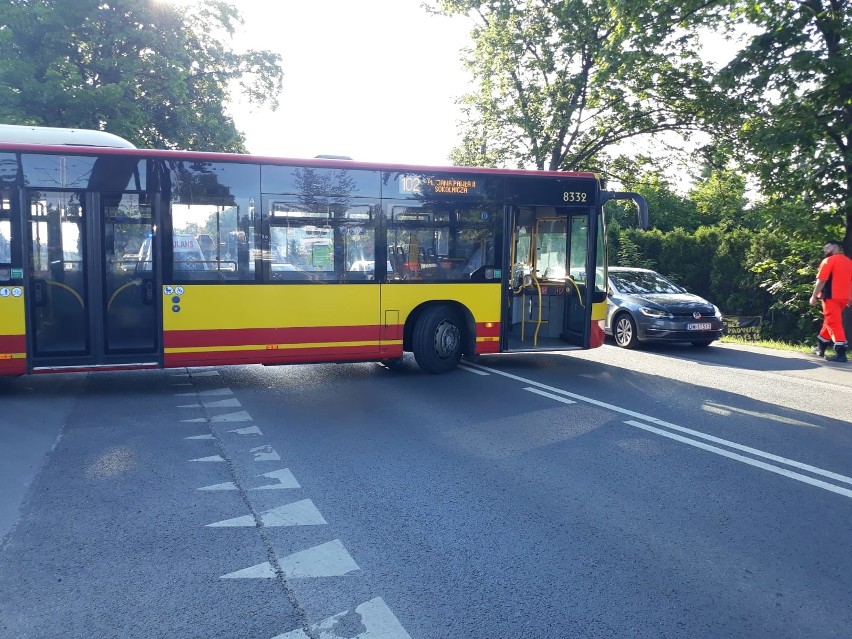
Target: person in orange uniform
<point x="834" y="287"/>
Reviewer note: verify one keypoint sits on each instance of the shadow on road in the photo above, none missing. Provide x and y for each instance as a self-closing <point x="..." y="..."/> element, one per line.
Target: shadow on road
<point x="732" y="355"/>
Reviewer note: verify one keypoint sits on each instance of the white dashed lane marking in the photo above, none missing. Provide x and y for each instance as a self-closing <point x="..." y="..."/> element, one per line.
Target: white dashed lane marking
<point x="475" y="371"/>
<point x="550" y="395"/>
<point x="746" y="460"/>
<point x="665" y="429"/>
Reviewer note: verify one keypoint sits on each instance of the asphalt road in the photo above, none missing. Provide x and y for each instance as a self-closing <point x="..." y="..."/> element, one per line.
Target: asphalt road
<point x="669" y="492"/>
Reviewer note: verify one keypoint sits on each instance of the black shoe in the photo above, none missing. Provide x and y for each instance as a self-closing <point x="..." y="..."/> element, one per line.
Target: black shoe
<point x="839" y="353"/>
<point x="821" y="345"/>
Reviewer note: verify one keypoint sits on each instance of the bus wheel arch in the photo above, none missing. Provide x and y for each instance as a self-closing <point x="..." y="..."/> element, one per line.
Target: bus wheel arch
<point x="439" y="333"/>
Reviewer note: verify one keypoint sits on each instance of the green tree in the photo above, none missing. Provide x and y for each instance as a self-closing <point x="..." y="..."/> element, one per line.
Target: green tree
<point x="668" y="209"/>
<point x="792" y="110"/>
<point x="719" y="196"/>
<point x="155" y="73"/>
<point x="560" y="82"/>
<point x="785" y="268"/>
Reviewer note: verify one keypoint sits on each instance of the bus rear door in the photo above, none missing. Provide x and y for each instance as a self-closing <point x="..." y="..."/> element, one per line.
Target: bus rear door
<point x="91" y="294"/>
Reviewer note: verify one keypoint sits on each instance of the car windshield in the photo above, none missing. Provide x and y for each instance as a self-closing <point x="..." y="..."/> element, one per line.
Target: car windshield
<point x="638" y="282"/>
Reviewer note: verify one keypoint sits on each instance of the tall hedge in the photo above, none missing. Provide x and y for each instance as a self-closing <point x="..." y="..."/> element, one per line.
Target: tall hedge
<point x="742" y="271"/>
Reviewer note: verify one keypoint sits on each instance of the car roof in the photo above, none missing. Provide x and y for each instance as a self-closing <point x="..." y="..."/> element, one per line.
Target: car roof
<point x="629" y="269"/>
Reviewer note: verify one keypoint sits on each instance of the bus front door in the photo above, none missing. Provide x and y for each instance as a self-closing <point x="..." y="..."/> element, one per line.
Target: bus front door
<point x="546" y="306"/>
<point x="91" y="301"/>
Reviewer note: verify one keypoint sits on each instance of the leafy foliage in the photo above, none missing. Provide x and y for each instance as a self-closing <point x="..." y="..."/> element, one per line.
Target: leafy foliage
<point x="561" y="82"/>
<point x="154" y="73"/>
<point x="743" y="271"/>
<point x="791" y="104"/>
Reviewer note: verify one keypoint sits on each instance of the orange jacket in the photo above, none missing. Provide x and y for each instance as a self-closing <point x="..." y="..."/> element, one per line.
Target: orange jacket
<point x="836" y="272"/>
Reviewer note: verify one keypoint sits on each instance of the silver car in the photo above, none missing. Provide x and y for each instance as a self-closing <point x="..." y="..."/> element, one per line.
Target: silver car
<point x="642" y="305"/>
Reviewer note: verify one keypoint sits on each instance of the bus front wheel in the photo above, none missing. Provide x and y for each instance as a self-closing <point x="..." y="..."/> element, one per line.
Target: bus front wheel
<point x="437" y="340"/>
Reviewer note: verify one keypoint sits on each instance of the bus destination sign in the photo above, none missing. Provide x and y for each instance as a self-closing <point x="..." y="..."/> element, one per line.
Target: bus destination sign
<point x="432" y="185"/>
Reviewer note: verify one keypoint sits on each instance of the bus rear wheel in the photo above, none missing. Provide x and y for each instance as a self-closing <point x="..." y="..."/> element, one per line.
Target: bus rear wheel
<point x="437" y="340"/>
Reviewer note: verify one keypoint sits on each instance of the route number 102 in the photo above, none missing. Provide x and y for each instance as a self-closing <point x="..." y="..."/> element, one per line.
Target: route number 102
<point x="574" y="196"/>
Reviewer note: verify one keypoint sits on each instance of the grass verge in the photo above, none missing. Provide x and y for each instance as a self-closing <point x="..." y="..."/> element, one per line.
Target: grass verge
<point x="769" y="343"/>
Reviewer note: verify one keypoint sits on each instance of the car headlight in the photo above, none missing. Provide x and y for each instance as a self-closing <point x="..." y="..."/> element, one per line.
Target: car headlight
<point x="717" y="312"/>
<point x="655" y="312"/>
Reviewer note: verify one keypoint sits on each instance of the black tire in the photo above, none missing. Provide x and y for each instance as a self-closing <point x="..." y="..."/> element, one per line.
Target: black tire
<point x="624" y="331"/>
<point x="702" y="343"/>
<point x="437" y="340"/>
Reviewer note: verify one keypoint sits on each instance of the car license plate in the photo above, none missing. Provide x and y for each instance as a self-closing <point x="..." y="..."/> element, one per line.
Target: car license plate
<point x="699" y="327"/>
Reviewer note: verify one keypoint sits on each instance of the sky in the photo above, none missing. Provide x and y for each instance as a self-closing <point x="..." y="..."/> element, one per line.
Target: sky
<point x="376" y="80"/>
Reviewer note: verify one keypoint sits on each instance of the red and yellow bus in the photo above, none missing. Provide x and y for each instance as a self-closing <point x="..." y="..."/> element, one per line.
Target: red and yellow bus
<point x="112" y="257"/>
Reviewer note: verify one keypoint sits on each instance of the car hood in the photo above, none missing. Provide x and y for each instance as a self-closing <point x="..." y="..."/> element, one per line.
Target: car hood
<point x="674" y="302"/>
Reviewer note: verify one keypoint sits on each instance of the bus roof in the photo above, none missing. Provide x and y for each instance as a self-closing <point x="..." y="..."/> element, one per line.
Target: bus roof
<point x="83" y="145"/>
<point x="13" y="133"/>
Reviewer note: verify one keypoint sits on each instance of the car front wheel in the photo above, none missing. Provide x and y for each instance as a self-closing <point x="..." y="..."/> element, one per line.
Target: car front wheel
<point x="624" y="331"/>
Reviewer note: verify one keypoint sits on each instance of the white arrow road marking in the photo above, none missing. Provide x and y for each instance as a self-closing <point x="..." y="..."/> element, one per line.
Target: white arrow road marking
<point x="241" y="416"/>
<point x="200" y="437"/>
<point x="207" y="393"/>
<point x="299" y="513"/>
<point x="248" y="430"/>
<point x="265" y="453"/>
<point x="228" y="485"/>
<point x="284" y="476"/>
<point x="221" y="403"/>
<point x="326" y="560"/>
<point x="260" y="571"/>
<point x="212" y="458"/>
<point x="372" y="620"/>
<point x="216" y="391"/>
<point x="293" y="634"/>
<point x="195" y="420"/>
<point x="285" y="480"/>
